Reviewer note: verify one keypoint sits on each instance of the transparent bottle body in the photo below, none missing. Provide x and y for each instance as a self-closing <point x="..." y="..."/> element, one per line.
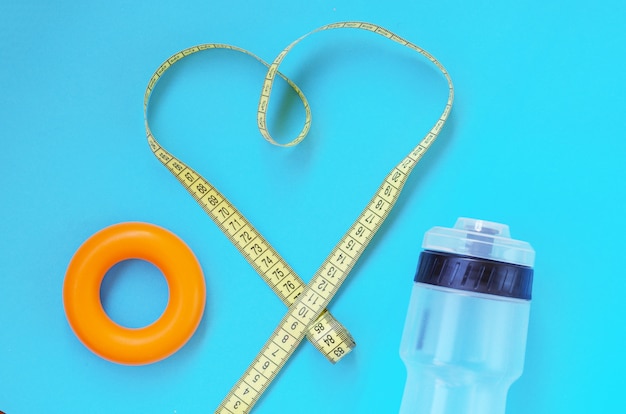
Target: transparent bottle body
<point x="462" y="350"/>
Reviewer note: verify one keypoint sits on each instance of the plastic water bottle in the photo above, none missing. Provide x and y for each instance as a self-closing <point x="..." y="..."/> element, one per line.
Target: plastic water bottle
<point x="464" y="338"/>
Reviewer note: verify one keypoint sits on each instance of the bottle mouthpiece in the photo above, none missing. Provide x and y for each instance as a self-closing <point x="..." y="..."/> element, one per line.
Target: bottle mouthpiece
<point x="480" y="239"/>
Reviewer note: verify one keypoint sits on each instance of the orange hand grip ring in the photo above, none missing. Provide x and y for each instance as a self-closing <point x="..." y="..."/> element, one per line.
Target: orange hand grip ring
<point x="91" y="324"/>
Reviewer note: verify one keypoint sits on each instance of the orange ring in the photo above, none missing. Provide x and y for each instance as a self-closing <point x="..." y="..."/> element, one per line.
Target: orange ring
<point x="91" y="324"/>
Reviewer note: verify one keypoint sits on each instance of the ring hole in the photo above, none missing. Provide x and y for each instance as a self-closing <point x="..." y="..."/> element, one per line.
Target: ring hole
<point x="134" y="293"/>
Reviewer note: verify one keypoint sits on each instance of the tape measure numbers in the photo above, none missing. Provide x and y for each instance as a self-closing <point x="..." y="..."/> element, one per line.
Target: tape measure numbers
<point x="327" y="335"/>
<point x="307" y="314"/>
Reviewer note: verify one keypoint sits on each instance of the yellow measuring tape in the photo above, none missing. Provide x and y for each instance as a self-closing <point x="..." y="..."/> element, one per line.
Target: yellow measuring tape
<point x="307" y="314"/>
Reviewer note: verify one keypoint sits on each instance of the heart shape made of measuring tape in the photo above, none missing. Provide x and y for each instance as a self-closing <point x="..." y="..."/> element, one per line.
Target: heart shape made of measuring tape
<point x="307" y="315"/>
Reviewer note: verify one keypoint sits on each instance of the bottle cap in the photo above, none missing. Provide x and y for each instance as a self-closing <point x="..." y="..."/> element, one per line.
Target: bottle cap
<point x="477" y="256"/>
<point x="480" y="239"/>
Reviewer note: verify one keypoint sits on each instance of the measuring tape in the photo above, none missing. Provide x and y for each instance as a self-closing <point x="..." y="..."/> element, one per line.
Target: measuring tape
<point x="307" y="314"/>
<point x="273" y="269"/>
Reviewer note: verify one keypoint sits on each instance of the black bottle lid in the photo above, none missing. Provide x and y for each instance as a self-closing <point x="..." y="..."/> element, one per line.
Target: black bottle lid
<point x="475" y="275"/>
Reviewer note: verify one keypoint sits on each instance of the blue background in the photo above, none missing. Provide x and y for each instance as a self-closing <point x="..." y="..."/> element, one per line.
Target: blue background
<point x="535" y="140"/>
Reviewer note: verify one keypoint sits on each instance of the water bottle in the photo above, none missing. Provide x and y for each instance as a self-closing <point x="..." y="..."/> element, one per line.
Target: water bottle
<point x="464" y="337"/>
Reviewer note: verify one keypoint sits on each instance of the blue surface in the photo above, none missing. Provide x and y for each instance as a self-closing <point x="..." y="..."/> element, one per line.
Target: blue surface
<point x="535" y="140"/>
